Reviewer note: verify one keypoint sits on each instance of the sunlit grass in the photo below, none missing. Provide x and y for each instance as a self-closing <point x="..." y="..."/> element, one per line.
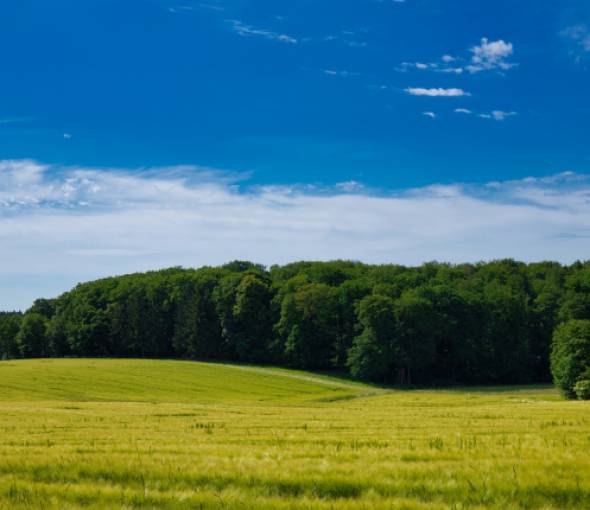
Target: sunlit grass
<point x="167" y="434"/>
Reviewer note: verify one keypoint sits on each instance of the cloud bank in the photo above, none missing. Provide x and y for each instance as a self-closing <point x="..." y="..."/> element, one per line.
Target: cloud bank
<point x="63" y="225"/>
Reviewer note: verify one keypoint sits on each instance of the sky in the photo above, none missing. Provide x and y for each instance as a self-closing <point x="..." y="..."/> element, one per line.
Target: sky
<point x="153" y="133"/>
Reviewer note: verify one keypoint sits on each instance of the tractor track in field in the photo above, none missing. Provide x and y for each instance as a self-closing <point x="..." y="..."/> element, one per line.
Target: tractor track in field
<point x="318" y="380"/>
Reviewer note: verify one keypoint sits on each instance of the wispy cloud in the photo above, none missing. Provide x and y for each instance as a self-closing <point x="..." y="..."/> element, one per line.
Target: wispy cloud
<point x="486" y="56"/>
<point x="339" y="72"/>
<point x="404" y="66"/>
<point x="438" y="67"/>
<point x="247" y="30"/>
<point x="436" y="92"/>
<point x="15" y="120"/>
<point x="63" y="225"/>
<point x="580" y="35"/>
<point x="190" y="8"/>
<point x="211" y="7"/>
<point x="350" y="186"/>
<point x="347" y="37"/>
<point x="497" y="115"/>
<point x="180" y="8"/>
<point x="432" y="115"/>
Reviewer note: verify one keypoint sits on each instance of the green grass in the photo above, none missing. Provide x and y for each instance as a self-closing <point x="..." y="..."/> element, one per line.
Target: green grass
<point x="182" y="435"/>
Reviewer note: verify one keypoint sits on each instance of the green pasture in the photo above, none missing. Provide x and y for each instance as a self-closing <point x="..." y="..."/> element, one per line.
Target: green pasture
<point x="103" y="434"/>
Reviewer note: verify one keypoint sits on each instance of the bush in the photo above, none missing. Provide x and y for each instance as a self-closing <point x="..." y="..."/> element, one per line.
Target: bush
<point x="570" y="355"/>
<point x="582" y="389"/>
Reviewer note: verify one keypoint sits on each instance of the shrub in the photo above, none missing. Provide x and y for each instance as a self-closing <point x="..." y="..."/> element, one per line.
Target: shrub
<point x="570" y="355"/>
<point x="582" y="389"/>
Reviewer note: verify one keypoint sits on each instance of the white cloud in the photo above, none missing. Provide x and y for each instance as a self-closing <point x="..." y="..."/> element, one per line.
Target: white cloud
<point x="497" y="115"/>
<point x="436" y="92"/>
<point x="342" y="72"/>
<point x="212" y="7"/>
<point x="431" y="66"/>
<point x="432" y="115"/>
<point x="486" y="56"/>
<point x="500" y="115"/>
<point x="63" y="225"/>
<point x="350" y="186"/>
<point x="405" y="66"/>
<point x="67" y="136"/>
<point x="455" y="70"/>
<point x="490" y="55"/>
<point x="347" y="37"/>
<point x="580" y="34"/>
<point x="246" y="30"/>
<point x="462" y="110"/>
<point x="15" y="120"/>
<point x="180" y="8"/>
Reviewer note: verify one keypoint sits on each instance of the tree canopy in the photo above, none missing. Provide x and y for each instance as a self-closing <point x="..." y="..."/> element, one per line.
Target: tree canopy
<point x="433" y="324"/>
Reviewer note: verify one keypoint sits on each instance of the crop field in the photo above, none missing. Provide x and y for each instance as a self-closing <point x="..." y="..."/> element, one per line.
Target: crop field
<point x="184" y="435"/>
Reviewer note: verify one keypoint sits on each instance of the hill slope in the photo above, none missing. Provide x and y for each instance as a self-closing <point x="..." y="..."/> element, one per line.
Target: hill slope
<point x="132" y="380"/>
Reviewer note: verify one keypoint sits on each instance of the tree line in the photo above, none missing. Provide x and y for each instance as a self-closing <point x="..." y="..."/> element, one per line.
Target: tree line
<point x="485" y="323"/>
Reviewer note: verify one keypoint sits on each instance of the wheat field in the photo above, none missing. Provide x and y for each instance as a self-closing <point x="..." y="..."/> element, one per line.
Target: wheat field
<point x="101" y="434"/>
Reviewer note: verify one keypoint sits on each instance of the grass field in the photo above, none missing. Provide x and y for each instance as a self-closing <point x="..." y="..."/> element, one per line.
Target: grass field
<point x="180" y="435"/>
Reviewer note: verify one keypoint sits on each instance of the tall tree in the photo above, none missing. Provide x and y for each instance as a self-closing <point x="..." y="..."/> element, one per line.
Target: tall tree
<point x="10" y="323"/>
<point x="308" y="326"/>
<point x="372" y="354"/>
<point x="253" y="319"/>
<point x="197" y="331"/>
<point x="32" y="337"/>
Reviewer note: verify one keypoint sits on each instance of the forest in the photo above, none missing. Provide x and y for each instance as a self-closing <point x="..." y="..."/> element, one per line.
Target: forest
<point x="499" y="322"/>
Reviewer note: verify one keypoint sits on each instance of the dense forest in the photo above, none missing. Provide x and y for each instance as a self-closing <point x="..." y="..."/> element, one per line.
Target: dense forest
<point x="485" y="323"/>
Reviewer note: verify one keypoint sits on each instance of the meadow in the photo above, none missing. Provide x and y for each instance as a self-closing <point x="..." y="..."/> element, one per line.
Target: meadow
<point x="99" y="433"/>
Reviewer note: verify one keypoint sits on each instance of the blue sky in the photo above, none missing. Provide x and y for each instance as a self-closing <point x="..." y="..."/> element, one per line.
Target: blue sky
<point x="276" y="113"/>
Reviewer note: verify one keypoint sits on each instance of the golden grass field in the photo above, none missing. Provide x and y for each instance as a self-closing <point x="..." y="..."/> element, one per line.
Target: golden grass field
<point x="184" y="435"/>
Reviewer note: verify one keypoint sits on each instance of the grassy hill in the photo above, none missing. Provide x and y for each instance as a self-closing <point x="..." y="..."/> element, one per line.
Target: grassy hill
<point x="104" y="434"/>
<point x="132" y="380"/>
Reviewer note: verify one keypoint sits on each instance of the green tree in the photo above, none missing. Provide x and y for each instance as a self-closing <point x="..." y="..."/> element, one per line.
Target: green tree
<point x="9" y="328"/>
<point x="308" y="326"/>
<point x="570" y="354"/>
<point x="546" y="287"/>
<point x="348" y="296"/>
<point x="372" y="354"/>
<point x="197" y="331"/>
<point x="32" y="336"/>
<point x="414" y="345"/>
<point x="45" y="307"/>
<point x="253" y="319"/>
<point x="506" y="328"/>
